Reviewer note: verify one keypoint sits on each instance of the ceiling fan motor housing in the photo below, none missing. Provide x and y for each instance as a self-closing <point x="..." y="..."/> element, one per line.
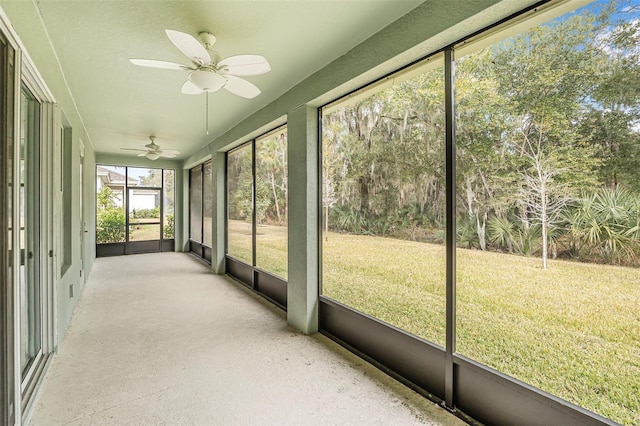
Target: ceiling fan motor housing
<point x="207" y="39"/>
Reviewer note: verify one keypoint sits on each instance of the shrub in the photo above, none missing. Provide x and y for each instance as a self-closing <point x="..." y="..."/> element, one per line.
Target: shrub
<point x="110" y="219"/>
<point x="169" y="227"/>
<point x="146" y="213"/>
<point x="110" y="225"/>
<point x="605" y="226"/>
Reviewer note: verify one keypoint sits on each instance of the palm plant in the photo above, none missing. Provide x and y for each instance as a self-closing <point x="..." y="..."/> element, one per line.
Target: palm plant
<point x="502" y="232"/>
<point x="606" y="224"/>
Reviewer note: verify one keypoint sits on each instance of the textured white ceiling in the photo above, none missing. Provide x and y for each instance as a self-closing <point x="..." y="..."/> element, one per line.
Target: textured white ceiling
<point x="122" y="104"/>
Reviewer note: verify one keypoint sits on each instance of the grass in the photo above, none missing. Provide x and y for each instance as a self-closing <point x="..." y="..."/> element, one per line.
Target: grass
<point x="572" y="330"/>
<point x="271" y="246"/>
<point x="139" y="231"/>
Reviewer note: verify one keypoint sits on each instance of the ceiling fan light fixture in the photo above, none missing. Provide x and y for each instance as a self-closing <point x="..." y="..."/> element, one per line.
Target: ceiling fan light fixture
<point x="152" y="155"/>
<point x="207" y="80"/>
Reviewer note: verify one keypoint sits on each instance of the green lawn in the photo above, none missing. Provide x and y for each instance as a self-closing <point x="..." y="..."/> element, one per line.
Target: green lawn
<point x="239" y="240"/>
<point x="271" y="242"/>
<point x="140" y="231"/>
<point x="572" y="330"/>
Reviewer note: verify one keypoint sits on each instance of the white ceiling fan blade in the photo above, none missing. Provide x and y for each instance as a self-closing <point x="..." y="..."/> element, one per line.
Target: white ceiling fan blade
<point x="191" y="47"/>
<point x="244" y="65"/>
<point x="188" y="88"/>
<point x="144" y="154"/>
<point x="133" y="149"/>
<point x="170" y="152"/>
<point x="241" y="87"/>
<point x="152" y="63"/>
<point x="165" y="155"/>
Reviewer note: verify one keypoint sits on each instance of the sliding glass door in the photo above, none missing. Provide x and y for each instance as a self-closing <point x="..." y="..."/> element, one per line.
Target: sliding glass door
<point x="7" y="208"/>
<point x="29" y="216"/>
<point x="27" y="118"/>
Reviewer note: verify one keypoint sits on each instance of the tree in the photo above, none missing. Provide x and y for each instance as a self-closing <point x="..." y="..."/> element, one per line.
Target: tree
<point x="271" y="170"/>
<point x="541" y="117"/>
<point x="543" y="196"/>
<point x="153" y="178"/>
<point x="483" y="114"/>
<point x="548" y="74"/>
<point x="240" y="185"/>
<point x="611" y="124"/>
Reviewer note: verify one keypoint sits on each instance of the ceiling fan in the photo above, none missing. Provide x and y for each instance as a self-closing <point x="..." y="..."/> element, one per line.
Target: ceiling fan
<point x="207" y="75"/>
<point x="153" y="151"/>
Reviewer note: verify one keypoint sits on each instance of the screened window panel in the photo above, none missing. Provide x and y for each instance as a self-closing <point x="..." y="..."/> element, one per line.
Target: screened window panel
<point x="272" y="203"/>
<point x="547" y="283"/>
<point x="195" y="204"/>
<point x="207" y="205"/>
<point x="240" y="204"/>
<point x="383" y="202"/>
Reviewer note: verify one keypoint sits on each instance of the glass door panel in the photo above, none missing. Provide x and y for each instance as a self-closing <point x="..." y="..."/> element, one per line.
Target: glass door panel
<point x="144" y="231"/>
<point x="144" y="214"/>
<point x="135" y="210"/>
<point x="29" y="217"/>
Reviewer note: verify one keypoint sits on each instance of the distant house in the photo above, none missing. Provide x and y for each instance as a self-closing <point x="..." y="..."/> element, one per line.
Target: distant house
<point x="107" y="177"/>
<point x="139" y="199"/>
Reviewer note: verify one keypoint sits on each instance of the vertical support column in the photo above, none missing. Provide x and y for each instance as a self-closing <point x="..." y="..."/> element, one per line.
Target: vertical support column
<point x="449" y="84"/>
<point x="218" y="215"/>
<point x="302" y="152"/>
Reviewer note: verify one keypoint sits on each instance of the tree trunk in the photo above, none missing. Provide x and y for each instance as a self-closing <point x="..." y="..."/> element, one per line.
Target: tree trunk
<point x="544" y="245"/>
<point x="544" y="221"/>
<point x="364" y="193"/>
<point x="326" y="222"/>
<point x="275" y="195"/>
<point x="480" y="229"/>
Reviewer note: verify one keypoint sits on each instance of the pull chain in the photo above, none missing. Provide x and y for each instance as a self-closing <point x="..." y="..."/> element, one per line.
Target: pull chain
<point x="207" y="111"/>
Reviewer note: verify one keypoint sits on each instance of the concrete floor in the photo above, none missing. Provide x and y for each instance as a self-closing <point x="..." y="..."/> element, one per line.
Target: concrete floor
<point x="157" y="339"/>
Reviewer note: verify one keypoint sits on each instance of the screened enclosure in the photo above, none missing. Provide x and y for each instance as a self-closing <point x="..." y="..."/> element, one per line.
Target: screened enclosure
<point x="135" y="210"/>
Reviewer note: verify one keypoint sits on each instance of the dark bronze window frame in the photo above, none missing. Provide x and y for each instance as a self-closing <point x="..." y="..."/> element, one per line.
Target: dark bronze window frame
<point x="199" y="248"/>
<point x="266" y="284"/>
<point x="469" y="389"/>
